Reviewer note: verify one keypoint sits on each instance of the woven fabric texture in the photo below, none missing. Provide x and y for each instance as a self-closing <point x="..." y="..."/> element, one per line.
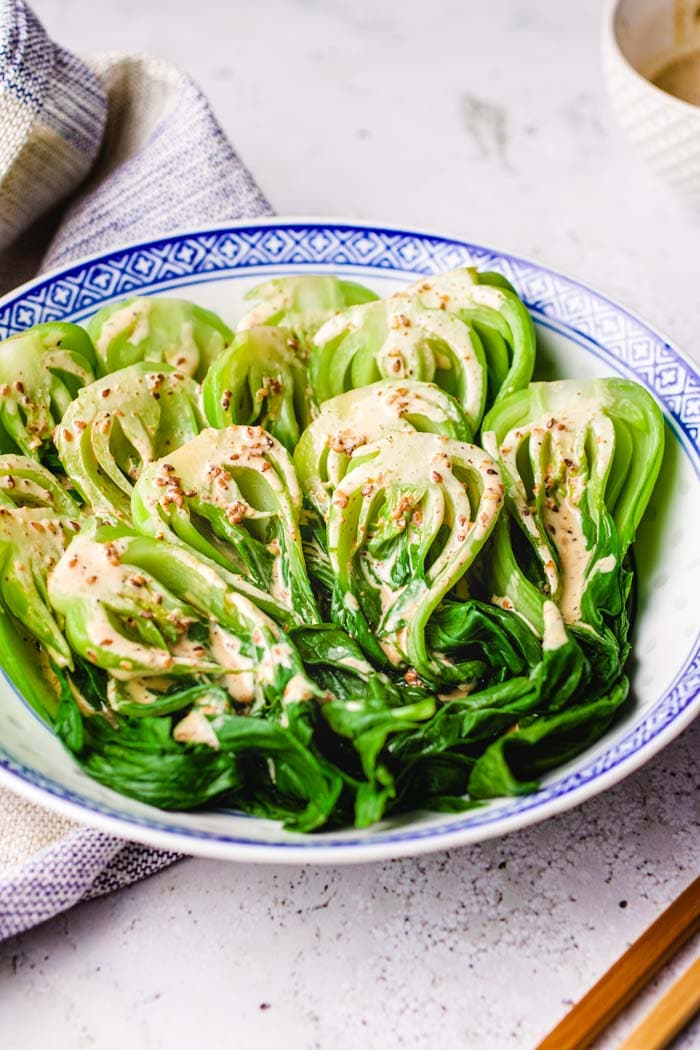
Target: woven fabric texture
<point x="93" y="153"/>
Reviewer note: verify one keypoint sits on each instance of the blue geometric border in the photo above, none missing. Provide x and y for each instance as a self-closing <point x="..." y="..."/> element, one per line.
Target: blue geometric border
<point x="626" y="342"/>
<point x="86" y="286"/>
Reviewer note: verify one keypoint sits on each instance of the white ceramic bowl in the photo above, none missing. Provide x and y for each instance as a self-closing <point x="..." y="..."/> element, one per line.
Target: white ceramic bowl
<point x="639" y="38"/>
<point x="580" y="334"/>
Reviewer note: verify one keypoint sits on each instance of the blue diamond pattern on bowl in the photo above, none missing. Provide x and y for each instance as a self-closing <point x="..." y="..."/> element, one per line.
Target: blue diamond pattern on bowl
<point x="620" y="337"/>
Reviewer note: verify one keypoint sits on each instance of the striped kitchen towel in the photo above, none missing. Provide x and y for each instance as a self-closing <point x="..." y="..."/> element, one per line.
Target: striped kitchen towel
<point x="93" y="152"/>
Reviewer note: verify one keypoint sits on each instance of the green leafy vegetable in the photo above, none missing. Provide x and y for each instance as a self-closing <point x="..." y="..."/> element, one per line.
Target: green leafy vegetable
<point x="489" y="303"/>
<point x="302" y="303"/>
<point x="260" y="379"/>
<point x="41" y="371"/>
<point x="362" y="416"/>
<point x="233" y="496"/>
<point x="438" y="623"/>
<point x="31" y="544"/>
<point x="405" y="524"/>
<point x="579" y="460"/>
<point x="514" y="763"/>
<point x="26" y="483"/>
<point x="143" y="759"/>
<point x="368" y="721"/>
<point x="119" y="424"/>
<point x="400" y="339"/>
<point x="37" y="519"/>
<point x="147" y="328"/>
<point x="471" y="630"/>
<point x="139" y="608"/>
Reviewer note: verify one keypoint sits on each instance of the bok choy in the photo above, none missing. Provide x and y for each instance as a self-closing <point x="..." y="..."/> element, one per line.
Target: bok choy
<point x="343" y="563"/>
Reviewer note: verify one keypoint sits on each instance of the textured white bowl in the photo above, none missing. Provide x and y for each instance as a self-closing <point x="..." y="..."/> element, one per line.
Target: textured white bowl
<point x="639" y="38"/>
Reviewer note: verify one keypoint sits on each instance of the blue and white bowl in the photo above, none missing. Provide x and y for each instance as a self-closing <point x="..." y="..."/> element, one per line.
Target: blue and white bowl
<point x="580" y="333"/>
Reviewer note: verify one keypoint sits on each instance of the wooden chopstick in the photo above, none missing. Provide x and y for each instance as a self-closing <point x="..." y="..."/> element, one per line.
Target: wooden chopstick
<point x="625" y="978"/>
<point x="672" y="1013"/>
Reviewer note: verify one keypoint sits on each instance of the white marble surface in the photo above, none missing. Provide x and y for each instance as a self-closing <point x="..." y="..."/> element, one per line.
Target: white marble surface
<point x="487" y="120"/>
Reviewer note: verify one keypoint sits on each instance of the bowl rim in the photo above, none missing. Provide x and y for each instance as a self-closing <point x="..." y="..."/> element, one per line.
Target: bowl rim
<point x="609" y="37"/>
<point x="398" y="842"/>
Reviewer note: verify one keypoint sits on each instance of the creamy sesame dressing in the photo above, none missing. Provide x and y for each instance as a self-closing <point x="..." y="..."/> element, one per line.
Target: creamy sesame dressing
<point x="30" y="391"/>
<point x="558" y="440"/>
<point x="302" y="303"/>
<point x="239" y="679"/>
<point x="39" y="530"/>
<point x="132" y="318"/>
<point x="452" y="290"/>
<point x="205" y="468"/>
<point x="416" y="474"/>
<point x="195" y="728"/>
<point x="359" y="417"/>
<point x="137" y="690"/>
<point x="554" y="636"/>
<point x="417" y="343"/>
<point x="27" y="491"/>
<point x="94" y="573"/>
<point x="276" y="299"/>
<point x="209" y="471"/>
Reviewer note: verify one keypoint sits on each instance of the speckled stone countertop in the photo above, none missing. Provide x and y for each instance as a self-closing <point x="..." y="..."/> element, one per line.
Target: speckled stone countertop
<point x="487" y="120"/>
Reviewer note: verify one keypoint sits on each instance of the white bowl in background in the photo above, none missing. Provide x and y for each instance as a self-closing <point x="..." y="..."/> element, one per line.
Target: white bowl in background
<point x="639" y="38"/>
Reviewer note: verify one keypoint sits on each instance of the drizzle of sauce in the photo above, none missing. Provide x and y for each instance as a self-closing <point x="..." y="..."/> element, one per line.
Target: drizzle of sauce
<point x="195" y="729"/>
<point x="554" y="631"/>
<point x="132" y="318"/>
<point x="240" y="677"/>
<point x="397" y="464"/>
<point x="186" y="353"/>
<point x="416" y="341"/>
<point x="564" y="523"/>
<point x="297" y="689"/>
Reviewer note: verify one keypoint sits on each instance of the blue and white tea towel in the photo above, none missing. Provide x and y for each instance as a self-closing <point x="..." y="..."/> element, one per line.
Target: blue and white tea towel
<point x="93" y="152"/>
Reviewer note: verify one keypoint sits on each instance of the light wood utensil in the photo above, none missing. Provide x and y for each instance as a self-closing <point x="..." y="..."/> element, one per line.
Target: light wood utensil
<point x="670" y="1015"/>
<point x="632" y="971"/>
